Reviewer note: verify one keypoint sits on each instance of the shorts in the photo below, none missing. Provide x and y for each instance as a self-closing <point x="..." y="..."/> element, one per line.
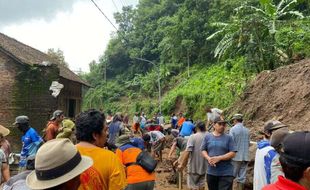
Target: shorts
<point x="196" y="181"/>
<point x="158" y="146"/>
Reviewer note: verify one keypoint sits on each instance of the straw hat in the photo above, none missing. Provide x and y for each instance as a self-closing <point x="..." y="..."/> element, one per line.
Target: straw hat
<point x="57" y="161"/>
<point x="4" y="131"/>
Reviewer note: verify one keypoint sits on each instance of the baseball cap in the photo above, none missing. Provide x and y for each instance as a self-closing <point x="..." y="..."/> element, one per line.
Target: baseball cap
<point x="237" y="116"/>
<point x="56" y="114"/>
<point x="272" y="125"/>
<point x="21" y="119"/>
<point x="296" y="148"/>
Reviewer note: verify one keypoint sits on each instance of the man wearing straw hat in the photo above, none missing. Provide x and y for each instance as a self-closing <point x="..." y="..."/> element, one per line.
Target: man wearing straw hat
<point x="56" y="171"/>
<point x="4" y="166"/>
<point x="5" y="145"/>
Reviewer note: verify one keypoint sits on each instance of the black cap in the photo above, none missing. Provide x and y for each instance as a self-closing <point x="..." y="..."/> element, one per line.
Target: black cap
<point x="296" y="148"/>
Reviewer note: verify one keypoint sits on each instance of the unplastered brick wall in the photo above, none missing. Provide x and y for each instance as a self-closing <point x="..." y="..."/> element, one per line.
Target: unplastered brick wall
<point x="24" y="90"/>
<point x="7" y="80"/>
<point x="32" y="96"/>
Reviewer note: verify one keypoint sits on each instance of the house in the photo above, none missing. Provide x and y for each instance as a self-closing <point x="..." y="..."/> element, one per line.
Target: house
<point x="26" y="75"/>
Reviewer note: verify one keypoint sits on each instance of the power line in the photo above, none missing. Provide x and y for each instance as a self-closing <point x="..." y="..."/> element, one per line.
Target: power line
<point x="115" y="5"/>
<point x="104" y="15"/>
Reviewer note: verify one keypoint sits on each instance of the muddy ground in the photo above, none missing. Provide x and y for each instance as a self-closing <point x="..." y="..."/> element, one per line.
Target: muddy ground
<point x="282" y="94"/>
<point x="166" y="177"/>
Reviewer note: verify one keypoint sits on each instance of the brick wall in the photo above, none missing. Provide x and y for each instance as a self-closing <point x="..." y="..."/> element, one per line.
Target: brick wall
<point x="7" y="78"/>
<point x="24" y="90"/>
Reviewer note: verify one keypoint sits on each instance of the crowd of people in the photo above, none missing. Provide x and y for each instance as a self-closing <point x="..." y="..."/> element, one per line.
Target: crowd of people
<point x="95" y="151"/>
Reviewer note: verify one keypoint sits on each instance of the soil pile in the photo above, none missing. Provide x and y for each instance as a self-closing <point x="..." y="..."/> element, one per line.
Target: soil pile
<point x="282" y="94"/>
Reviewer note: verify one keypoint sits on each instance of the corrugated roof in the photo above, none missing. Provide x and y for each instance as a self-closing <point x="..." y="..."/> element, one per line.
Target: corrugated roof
<point x="28" y="55"/>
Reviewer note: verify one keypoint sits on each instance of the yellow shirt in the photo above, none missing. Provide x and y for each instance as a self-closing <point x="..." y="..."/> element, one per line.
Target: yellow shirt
<point x="107" y="173"/>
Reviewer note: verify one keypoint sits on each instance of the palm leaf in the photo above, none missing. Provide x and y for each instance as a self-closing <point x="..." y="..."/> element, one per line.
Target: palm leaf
<point x="215" y="34"/>
<point x="293" y="13"/>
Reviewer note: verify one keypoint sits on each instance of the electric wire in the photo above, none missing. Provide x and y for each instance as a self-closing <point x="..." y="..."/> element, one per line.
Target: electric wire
<point x="104" y="15"/>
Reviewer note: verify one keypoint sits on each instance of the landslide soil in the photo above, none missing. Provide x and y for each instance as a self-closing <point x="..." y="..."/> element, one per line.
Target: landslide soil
<point x="282" y="94"/>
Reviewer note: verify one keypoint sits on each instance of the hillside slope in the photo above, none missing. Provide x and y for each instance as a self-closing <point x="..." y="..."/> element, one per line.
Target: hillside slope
<point x="283" y="94"/>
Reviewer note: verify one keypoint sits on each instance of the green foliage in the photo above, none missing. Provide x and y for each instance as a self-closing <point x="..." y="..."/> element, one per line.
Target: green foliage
<point x="218" y="86"/>
<point x="253" y="31"/>
<point x="57" y="56"/>
<point x="182" y="36"/>
<point x="294" y="39"/>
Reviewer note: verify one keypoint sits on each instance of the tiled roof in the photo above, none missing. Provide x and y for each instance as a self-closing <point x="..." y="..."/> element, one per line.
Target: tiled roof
<point x="28" y="55"/>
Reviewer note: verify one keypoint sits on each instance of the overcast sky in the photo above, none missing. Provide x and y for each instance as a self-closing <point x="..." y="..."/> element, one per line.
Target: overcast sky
<point x="74" y="26"/>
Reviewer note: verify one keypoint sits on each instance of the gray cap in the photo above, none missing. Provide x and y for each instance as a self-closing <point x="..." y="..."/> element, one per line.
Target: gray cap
<point x="56" y="114"/>
<point x="21" y="119"/>
<point x="237" y="116"/>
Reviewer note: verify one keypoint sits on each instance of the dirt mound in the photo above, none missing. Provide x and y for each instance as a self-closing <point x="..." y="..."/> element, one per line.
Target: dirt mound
<point x="282" y="94"/>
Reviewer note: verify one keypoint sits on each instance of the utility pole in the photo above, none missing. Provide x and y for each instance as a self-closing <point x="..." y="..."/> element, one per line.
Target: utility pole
<point x="158" y="79"/>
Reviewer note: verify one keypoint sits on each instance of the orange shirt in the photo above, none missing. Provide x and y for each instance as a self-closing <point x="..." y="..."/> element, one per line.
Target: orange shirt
<point x="181" y="121"/>
<point x="107" y="173"/>
<point x="51" y="130"/>
<point x="135" y="173"/>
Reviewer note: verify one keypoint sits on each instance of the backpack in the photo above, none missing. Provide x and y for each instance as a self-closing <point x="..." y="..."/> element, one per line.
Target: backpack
<point x="146" y="161"/>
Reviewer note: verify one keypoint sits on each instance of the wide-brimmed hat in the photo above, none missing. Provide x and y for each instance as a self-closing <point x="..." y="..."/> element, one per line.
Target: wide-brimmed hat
<point x="21" y="120"/>
<point x="4" y="131"/>
<point x="56" y="114"/>
<point x="57" y="161"/>
<point x="123" y="139"/>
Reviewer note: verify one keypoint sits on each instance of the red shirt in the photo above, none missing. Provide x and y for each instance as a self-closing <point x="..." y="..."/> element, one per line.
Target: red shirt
<point x="284" y="184"/>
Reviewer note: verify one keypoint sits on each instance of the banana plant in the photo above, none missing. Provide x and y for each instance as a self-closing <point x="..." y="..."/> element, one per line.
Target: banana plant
<point x="252" y="32"/>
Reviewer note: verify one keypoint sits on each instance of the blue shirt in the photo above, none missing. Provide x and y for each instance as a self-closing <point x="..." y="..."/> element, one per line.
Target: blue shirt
<point x="31" y="142"/>
<point x="241" y="137"/>
<point x="114" y="129"/>
<point x="216" y="146"/>
<point x="174" y="121"/>
<point x="187" y="129"/>
<point x="137" y="142"/>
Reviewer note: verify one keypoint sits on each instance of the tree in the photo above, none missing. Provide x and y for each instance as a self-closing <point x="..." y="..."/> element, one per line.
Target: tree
<point x="252" y="33"/>
<point x="57" y="56"/>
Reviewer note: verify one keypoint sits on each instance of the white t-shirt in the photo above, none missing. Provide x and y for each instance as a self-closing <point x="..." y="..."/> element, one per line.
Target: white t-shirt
<point x="155" y="136"/>
<point x="135" y="119"/>
<point x="260" y="179"/>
